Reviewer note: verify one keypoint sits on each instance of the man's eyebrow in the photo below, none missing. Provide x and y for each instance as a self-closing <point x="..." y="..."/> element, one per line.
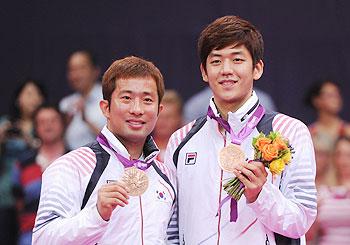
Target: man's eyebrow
<point x="213" y="54"/>
<point x="131" y="92"/>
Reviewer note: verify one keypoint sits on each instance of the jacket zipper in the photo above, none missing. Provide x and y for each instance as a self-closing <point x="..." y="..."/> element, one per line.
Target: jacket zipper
<point x="267" y="242"/>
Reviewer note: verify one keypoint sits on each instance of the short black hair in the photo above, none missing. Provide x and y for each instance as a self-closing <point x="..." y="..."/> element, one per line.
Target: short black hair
<point x="91" y="56"/>
<point x="15" y="110"/>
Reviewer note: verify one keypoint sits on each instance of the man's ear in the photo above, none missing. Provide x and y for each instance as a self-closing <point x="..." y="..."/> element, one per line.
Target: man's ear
<point x="160" y="108"/>
<point x="204" y="73"/>
<point x="258" y="70"/>
<point x="104" y="105"/>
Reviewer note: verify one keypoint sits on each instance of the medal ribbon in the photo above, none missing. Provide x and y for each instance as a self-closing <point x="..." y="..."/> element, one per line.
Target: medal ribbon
<point x="246" y="130"/>
<point x="237" y="139"/>
<point x="126" y="162"/>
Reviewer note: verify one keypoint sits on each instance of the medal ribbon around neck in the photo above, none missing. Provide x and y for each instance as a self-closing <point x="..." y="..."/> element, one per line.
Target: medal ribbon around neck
<point x="246" y="130"/>
<point x="134" y="178"/>
<point x="142" y="165"/>
<point x="237" y="139"/>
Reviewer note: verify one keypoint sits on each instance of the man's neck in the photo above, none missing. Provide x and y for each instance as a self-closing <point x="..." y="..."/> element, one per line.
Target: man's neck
<point x="161" y="141"/>
<point x="85" y="93"/>
<point x="134" y="148"/>
<point x="225" y="108"/>
<point x="52" y="149"/>
<point x="26" y="116"/>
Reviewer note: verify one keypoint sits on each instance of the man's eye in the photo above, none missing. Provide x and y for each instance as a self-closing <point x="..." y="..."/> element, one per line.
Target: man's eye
<point x="125" y="97"/>
<point x="148" y="100"/>
<point x="237" y="60"/>
<point x="215" y="62"/>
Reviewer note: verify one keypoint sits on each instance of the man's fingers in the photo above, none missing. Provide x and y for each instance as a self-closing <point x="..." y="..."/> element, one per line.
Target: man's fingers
<point x="244" y="179"/>
<point x="251" y="176"/>
<point x="116" y="195"/>
<point x="111" y="202"/>
<point x="115" y="187"/>
<point x="119" y="202"/>
<point x="257" y="168"/>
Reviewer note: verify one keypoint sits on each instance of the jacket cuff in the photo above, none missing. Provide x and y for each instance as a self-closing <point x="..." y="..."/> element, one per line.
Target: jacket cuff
<point x="265" y="198"/>
<point x="96" y="218"/>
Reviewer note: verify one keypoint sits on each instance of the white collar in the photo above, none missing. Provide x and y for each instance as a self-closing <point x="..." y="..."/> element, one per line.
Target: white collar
<point x="114" y="142"/>
<point x="234" y="118"/>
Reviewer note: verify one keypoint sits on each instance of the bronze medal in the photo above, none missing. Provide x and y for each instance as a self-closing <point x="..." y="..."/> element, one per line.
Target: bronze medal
<point x="135" y="180"/>
<point x="230" y="157"/>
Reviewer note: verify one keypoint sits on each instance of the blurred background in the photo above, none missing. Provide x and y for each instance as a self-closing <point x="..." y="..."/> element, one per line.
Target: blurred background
<point x="304" y="41"/>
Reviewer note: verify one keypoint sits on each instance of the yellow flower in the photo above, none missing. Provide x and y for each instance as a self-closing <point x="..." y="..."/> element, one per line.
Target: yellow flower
<point x="277" y="166"/>
<point x="269" y="152"/>
<point x="287" y="157"/>
<point x="261" y="142"/>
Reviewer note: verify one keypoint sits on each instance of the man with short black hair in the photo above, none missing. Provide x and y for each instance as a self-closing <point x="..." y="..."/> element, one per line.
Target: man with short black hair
<point x="273" y="209"/>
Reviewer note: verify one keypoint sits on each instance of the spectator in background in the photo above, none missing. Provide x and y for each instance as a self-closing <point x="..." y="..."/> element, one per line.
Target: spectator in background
<point x="197" y="106"/>
<point x="169" y="120"/>
<point x="332" y="225"/>
<point x="323" y="155"/>
<point x="324" y="96"/>
<point x="84" y="117"/>
<point x="27" y="97"/>
<point x="17" y="134"/>
<point x="49" y="127"/>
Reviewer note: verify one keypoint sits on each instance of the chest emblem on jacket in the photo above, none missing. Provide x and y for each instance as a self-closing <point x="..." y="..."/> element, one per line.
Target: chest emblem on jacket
<point x="161" y="195"/>
<point x="191" y="158"/>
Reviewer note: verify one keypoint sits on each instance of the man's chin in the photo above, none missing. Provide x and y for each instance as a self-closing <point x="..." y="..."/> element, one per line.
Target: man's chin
<point x="136" y="138"/>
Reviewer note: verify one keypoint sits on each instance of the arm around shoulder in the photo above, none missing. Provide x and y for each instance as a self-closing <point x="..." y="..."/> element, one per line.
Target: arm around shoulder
<point x="59" y="218"/>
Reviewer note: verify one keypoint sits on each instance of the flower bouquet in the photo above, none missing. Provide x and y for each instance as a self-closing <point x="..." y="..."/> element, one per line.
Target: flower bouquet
<point x="273" y="151"/>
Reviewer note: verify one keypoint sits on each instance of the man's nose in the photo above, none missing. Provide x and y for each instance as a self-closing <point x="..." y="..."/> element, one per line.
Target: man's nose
<point x="136" y="107"/>
<point x="226" y="67"/>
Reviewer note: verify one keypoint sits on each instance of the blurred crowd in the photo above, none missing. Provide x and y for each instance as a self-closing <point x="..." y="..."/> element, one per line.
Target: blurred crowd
<point x="331" y="139"/>
<point x="35" y="133"/>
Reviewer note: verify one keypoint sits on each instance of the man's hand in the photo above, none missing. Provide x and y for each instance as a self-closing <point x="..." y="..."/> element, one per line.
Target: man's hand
<point x="109" y="197"/>
<point x="253" y="175"/>
<point x="80" y="107"/>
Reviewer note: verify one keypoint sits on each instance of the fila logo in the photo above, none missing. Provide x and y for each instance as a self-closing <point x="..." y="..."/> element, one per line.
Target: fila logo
<point x="191" y="158"/>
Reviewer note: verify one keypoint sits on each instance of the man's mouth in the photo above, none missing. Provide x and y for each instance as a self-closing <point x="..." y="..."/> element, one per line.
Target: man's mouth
<point x="135" y="123"/>
<point x="228" y="82"/>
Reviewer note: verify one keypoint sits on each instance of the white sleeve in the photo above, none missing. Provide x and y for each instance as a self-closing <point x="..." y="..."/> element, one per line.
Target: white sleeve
<point x="291" y="209"/>
<point x="60" y="219"/>
<point x="65" y="104"/>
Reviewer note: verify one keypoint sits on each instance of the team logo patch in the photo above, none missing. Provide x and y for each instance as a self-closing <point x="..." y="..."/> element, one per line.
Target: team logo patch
<point x="191" y="158"/>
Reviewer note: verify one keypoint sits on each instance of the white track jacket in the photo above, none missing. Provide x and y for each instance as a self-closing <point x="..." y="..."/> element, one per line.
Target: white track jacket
<point x="286" y="206"/>
<point x="60" y="219"/>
